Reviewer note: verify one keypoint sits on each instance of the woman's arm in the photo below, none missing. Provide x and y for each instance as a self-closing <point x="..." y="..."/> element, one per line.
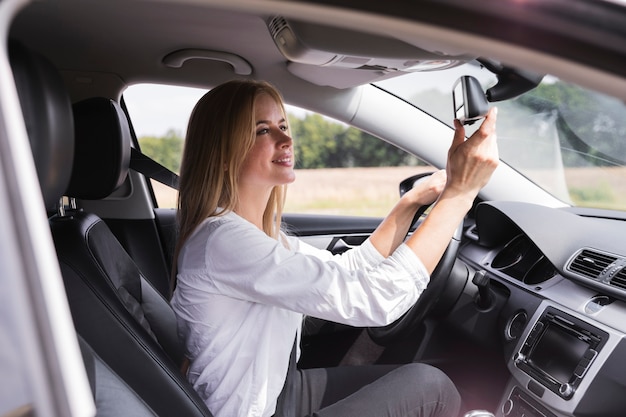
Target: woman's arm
<point x="393" y="229"/>
<point x="470" y="165"/>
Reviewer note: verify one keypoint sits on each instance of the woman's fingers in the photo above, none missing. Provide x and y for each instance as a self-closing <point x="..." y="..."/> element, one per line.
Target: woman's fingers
<point x="471" y="162"/>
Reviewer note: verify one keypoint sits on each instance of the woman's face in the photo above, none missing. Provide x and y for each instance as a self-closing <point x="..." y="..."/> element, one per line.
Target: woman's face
<point x="270" y="162"/>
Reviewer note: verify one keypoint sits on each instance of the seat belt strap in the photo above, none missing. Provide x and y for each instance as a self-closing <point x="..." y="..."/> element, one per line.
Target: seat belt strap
<point x="152" y="169"/>
<point x="286" y="403"/>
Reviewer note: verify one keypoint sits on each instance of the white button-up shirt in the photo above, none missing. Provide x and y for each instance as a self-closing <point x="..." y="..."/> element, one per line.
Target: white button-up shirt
<point x="241" y="296"/>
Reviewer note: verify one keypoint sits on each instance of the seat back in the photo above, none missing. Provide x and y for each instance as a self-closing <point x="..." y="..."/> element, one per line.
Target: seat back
<point x="121" y="320"/>
<point x="47" y="112"/>
<point x="127" y="322"/>
<point x="49" y="123"/>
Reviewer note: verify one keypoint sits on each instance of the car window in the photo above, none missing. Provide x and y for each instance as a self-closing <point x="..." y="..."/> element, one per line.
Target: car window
<point x="339" y="169"/>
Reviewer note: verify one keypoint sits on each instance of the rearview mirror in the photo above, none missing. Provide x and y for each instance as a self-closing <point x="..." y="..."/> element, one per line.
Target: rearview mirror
<point x="469" y="100"/>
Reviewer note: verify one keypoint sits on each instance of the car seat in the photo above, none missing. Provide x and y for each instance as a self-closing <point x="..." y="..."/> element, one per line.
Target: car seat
<point x="118" y="315"/>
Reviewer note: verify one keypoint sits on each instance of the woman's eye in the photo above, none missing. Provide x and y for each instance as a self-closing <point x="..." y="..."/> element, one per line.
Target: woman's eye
<point x="284" y="128"/>
<point x="262" y="131"/>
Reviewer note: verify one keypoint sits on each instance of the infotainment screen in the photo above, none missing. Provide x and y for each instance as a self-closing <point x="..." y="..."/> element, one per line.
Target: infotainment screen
<point x="558" y="353"/>
<point x="559" y="350"/>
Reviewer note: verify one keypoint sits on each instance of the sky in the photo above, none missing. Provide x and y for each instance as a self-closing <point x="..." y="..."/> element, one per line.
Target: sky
<point x="155" y="109"/>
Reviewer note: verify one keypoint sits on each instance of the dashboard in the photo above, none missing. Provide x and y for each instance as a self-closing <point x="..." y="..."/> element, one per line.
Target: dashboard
<point x="561" y="279"/>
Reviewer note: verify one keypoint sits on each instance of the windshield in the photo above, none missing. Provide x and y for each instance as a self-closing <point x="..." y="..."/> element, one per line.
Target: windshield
<point x="567" y="139"/>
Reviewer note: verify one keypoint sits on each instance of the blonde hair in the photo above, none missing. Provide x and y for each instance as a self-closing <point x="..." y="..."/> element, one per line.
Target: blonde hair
<point x="221" y="132"/>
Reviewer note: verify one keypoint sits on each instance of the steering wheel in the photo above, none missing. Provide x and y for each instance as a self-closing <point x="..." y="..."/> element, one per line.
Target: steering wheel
<point x="386" y="335"/>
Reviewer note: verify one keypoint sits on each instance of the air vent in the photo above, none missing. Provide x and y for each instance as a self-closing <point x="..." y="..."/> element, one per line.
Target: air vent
<point x="591" y="263"/>
<point x="276" y="25"/>
<point x="619" y="280"/>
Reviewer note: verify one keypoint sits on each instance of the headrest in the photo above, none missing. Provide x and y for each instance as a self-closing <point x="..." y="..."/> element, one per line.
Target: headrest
<point x="102" y="152"/>
<point x="48" y="117"/>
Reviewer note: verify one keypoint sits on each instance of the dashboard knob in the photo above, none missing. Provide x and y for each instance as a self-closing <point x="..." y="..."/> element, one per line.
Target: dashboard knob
<point x="566" y="390"/>
<point x="507" y="407"/>
<point x="515" y="326"/>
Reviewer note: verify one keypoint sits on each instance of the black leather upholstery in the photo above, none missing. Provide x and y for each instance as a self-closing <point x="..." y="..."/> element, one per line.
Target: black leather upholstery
<point x="101" y="265"/>
<point x="49" y="123"/>
<point x="102" y="154"/>
<point x="127" y="322"/>
<point x="48" y="116"/>
<point x="100" y="167"/>
<point x="118" y="315"/>
<point x="110" y="328"/>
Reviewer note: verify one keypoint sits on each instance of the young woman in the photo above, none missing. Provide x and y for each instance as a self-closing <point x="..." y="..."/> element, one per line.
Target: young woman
<point x="242" y="286"/>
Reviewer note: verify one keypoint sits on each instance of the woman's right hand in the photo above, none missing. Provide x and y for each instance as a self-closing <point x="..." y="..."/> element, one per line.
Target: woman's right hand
<point x="471" y="162"/>
<point x="470" y="165"/>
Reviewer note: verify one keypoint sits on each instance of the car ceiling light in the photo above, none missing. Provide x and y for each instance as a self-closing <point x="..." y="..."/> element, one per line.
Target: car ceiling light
<point x="326" y="46"/>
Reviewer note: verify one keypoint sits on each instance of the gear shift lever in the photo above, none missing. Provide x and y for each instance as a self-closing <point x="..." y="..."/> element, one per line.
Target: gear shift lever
<point x="478" y="413"/>
<point x="485" y="297"/>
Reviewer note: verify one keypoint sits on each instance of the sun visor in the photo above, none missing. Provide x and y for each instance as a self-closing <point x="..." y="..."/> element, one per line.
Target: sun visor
<point x="327" y="55"/>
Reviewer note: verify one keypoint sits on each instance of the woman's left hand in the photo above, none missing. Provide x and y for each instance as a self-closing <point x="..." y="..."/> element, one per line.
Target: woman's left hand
<point x="427" y="190"/>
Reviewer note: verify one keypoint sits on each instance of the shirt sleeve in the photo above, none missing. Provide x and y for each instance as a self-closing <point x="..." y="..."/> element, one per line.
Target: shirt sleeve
<point x="359" y="289"/>
<point x="361" y="256"/>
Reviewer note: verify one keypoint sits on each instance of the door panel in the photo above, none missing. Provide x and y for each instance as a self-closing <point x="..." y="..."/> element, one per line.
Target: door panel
<point x="334" y="233"/>
<point x="315" y="225"/>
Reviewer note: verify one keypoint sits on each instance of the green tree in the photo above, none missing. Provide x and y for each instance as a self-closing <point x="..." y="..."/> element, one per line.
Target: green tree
<point x="589" y="123"/>
<point x="314" y="139"/>
<point x="322" y="143"/>
<point x="166" y="150"/>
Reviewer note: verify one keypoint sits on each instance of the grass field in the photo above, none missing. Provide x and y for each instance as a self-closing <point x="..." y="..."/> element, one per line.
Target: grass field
<point x="373" y="191"/>
<point x="359" y="191"/>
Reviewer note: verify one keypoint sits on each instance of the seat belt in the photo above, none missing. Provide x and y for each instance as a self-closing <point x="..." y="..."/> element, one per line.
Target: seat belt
<point x="152" y="169"/>
<point x="286" y="404"/>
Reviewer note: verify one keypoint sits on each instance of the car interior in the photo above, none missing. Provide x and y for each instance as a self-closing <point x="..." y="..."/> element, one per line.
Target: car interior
<point x="525" y="311"/>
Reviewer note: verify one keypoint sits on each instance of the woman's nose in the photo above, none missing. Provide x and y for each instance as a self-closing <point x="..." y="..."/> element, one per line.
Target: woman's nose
<point x="285" y="140"/>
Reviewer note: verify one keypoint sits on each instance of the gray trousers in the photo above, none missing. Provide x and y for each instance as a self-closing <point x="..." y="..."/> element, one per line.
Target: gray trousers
<point x="415" y="389"/>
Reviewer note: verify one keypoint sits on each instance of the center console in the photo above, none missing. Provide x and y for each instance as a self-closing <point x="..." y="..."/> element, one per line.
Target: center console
<point x="564" y="364"/>
<point x="559" y="350"/>
<point x="520" y="404"/>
